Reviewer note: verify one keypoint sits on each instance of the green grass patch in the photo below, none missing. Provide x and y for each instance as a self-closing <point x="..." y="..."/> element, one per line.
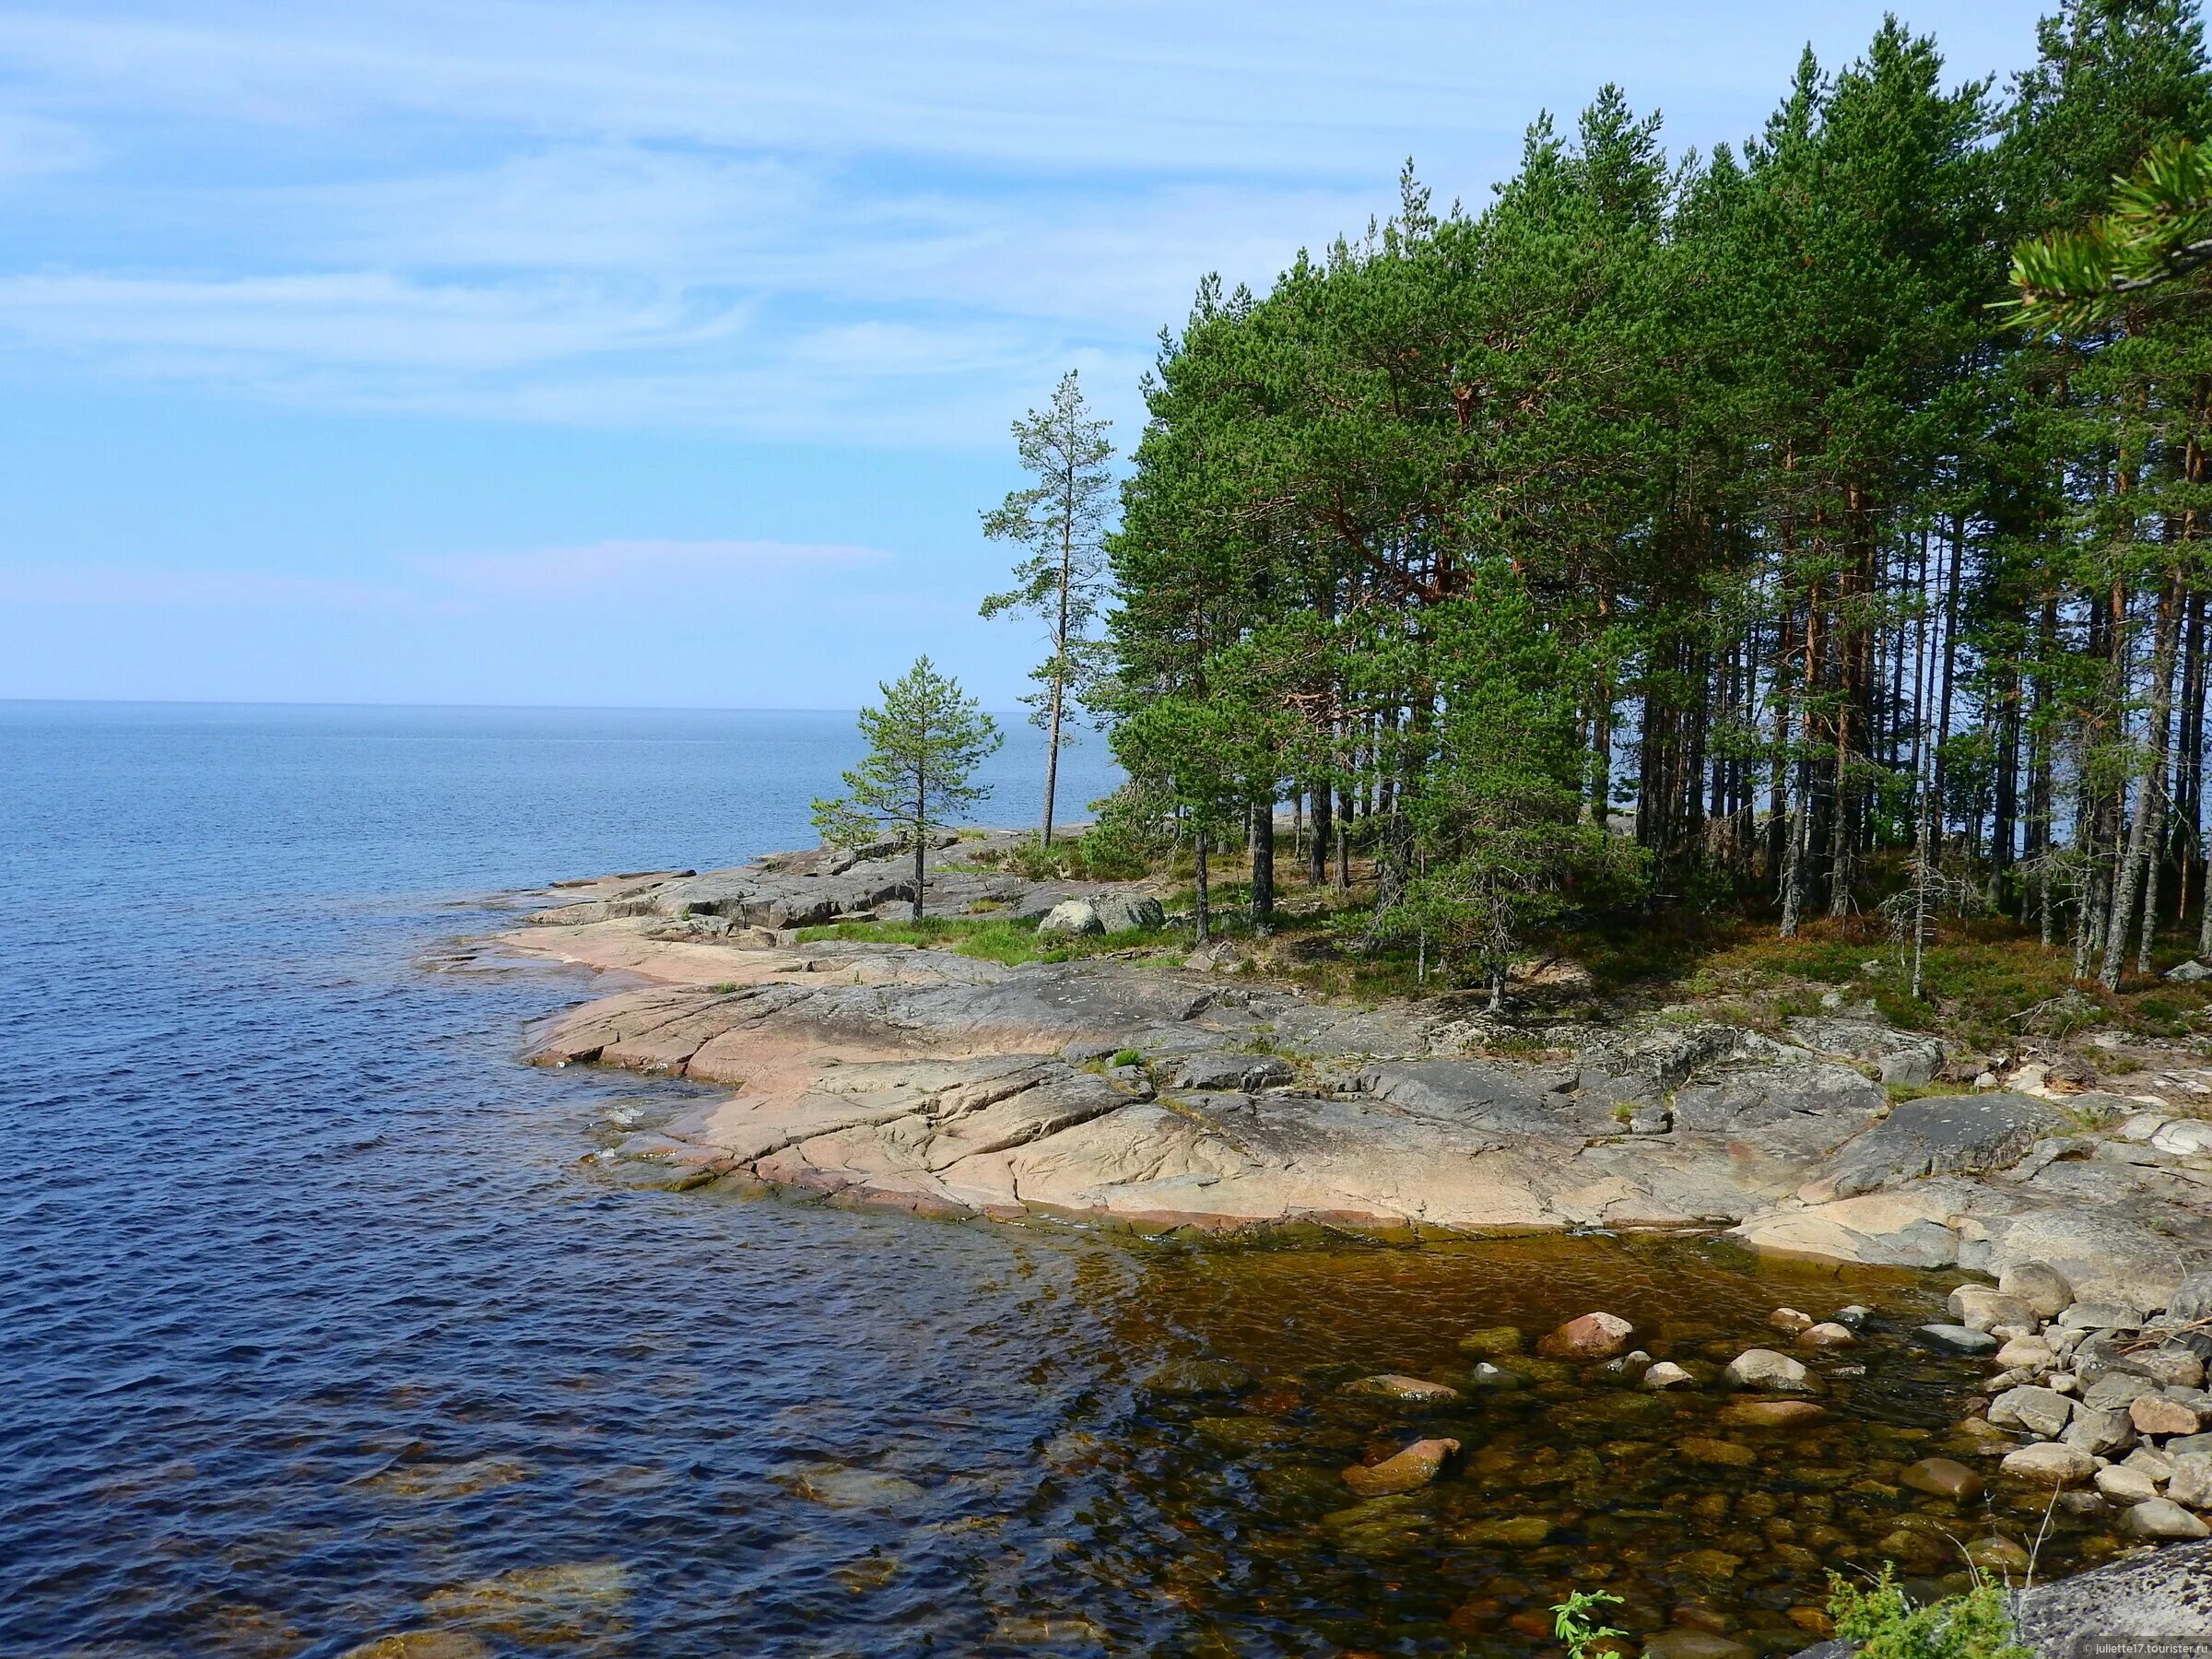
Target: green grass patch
<point x="1126" y="1057"/>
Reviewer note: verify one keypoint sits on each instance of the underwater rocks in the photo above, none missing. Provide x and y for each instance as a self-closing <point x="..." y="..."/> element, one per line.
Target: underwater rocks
<point x="1406" y="1471"/>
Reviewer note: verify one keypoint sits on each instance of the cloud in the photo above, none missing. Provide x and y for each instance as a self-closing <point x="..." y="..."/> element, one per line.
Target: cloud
<point x="873" y="223"/>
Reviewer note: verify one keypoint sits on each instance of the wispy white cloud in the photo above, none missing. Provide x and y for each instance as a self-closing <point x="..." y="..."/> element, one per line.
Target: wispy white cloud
<point x="878" y="221"/>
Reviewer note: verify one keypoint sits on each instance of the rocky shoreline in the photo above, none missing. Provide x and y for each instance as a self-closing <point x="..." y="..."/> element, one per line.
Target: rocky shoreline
<point x="1131" y="1095"/>
<point x="1189" y="1099"/>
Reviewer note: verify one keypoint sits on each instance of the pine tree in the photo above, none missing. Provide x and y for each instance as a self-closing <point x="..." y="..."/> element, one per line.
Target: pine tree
<point x="924" y="744"/>
<point x="1060" y="520"/>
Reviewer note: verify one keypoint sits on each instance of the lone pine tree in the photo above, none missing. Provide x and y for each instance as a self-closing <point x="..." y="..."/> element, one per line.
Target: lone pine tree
<point x="924" y="744"/>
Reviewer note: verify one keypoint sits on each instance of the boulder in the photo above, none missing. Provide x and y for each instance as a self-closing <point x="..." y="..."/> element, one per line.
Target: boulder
<point x="2160" y="1414"/>
<point x="2049" y="1463"/>
<point x="1071" y="918"/>
<point x="1591" y="1337"/>
<point x="1667" y="1374"/>
<point x="2038" y="1284"/>
<point x="2117" y="1391"/>
<point x="1789" y="1320"/>
<point x="2124" y="1485"/>
<point x="1826" y="1335"/>
<point x="2101" y="1316"/>
<point x="2099" y="1433"/>
<point x="1772" y="1414"/>
<point x="2188" y="973"/>
<point x="1942" y="1478"/>
<point x="2192" y="1299"/>
<point x="1979" y="1308"/>
<point x="1956" y="1339"/>
<point x="1409" y="1471"/>
<point x="1945" y="1134"/>
<point x="1413" y="1391"/>
<point x="2027" y="1353"/>
<point x="2162" y="1519"/>
<point x="1765" y="1370"/>
<point x="2190" y="1482"/>
<point x="2040" y="1411"/>
<point x="1128" y="913"/>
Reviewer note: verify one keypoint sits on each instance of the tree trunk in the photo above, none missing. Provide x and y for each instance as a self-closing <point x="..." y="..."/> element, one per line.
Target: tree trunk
<point x="1203" y="904"/>
<point x="1324" y="824"/>
<point x="1263" y="867"/>
<point x="2131" y="873"/>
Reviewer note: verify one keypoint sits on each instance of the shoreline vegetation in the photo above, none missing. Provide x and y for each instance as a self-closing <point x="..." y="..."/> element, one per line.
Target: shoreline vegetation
<point x="1800" y="538"/>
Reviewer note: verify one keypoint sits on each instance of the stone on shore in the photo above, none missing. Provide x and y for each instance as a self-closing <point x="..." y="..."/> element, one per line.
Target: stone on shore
<point x="2162" y="1519"/>
<point x="2049" y="1463"/>
<point x="2040" y="1411"/>
<point x="1407" y="1471"/>
<point x="2124" y="1485"/>
<point x="2158" y="1415"/>
<point x="2038" y="1284"/>
<point x="1956" y="1339"/>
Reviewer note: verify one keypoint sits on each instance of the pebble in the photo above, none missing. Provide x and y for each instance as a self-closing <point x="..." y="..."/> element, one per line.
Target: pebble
<point x="1486" y="1375"/>
<point x="1789" y="1320"/>
<point x="1826" y="1335"/>
<point x="1997" y="1553"/>
<point x="1667" y="1374"/>
<point x="1854" y="1317"/>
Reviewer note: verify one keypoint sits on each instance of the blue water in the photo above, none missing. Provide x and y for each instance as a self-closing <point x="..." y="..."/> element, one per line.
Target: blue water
<point x="310" y="1320"/>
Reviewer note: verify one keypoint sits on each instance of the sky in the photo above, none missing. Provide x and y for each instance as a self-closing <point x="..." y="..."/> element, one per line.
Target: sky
<point x="661" y="353"/>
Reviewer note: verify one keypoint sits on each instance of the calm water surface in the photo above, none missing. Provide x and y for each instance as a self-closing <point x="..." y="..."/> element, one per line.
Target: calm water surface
<point x="314" y="1330"/>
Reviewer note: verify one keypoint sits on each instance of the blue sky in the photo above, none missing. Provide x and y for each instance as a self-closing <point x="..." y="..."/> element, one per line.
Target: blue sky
<point x="661" y="353"/>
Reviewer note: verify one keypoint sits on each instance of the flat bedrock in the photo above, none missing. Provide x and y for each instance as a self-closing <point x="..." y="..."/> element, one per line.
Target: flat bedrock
<point x="928" y="1081"/>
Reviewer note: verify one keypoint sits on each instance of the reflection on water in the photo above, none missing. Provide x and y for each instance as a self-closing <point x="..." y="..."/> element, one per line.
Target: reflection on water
<point x="315" y="1332"/>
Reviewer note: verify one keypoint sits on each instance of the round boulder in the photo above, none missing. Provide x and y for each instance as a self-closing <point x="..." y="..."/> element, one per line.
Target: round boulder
<point x="1768" y="1370"/>
<point x="1591" y="1337"/>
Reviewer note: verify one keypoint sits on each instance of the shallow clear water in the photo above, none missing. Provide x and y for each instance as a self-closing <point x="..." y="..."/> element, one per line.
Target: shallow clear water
<point x="312" y="1325"/>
